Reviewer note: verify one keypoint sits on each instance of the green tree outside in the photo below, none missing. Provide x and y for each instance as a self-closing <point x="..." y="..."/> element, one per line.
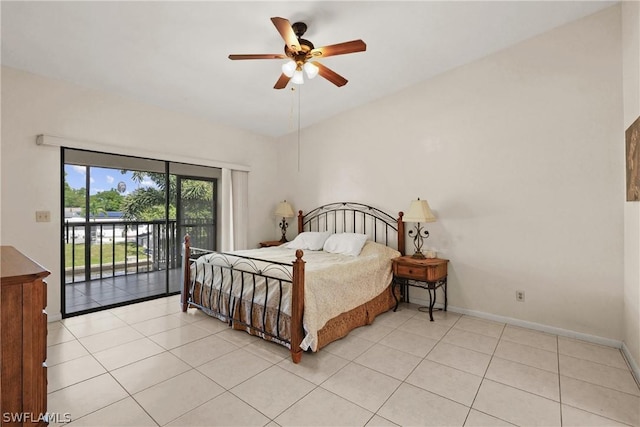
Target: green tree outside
<point x="73" y="198"/>
<point x="145" y="203"/>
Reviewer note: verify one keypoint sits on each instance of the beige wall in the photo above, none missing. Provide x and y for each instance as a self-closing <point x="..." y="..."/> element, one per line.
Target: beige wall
<point x="32" y="105"/>
<point x="519" y="154"/>
<point x="631" y="90"/>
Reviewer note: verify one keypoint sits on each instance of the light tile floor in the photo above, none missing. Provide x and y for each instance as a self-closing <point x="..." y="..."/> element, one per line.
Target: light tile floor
<point x="148" y="364"/>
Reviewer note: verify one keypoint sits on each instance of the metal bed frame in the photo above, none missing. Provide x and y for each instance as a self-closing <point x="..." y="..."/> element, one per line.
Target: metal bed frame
<point x="243" y="272"/>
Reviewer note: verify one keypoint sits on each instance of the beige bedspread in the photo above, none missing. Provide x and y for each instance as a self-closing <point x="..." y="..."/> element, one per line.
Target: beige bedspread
<point x="334" y="283"/>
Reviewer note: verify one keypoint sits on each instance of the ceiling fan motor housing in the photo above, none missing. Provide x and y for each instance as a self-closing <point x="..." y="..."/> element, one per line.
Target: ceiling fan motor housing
<point x="299" y="28"/>
<point x="305" y="47"/>
<point x="300" y="57"/>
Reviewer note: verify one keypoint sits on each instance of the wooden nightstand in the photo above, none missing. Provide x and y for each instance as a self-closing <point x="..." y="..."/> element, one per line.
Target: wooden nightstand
<point x="270" y="243"/>
<point x="429" y="274"/>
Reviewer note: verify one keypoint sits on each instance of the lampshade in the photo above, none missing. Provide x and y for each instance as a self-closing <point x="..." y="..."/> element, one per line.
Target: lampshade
<point x="419" y="211"/>
<point x="284" y="210"/>
<point x="311" y="70"/>
<point x="288" y="68"/>
<point x="298" y="78"/>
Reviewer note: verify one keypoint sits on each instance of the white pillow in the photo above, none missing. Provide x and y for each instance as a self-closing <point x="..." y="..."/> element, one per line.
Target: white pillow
<point x="309" y="240"/>
<point x="345" y="243"/>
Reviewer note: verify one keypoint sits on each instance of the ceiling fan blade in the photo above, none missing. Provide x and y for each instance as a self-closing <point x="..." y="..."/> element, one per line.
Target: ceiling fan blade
<point x="339" y="49"/>
<point x="330" y="75"/>
<point x="282" y="81"/>
<point x="259" y="56"/>
<point x="286" y="31"/>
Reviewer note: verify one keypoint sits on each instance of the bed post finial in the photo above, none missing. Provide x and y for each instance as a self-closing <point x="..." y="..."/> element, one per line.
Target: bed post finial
<point x="300" y="221"/>
<point x="401" y="247"/>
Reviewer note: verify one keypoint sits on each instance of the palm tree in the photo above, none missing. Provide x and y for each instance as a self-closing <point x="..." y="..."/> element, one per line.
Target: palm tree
<point x="148" y="202"/>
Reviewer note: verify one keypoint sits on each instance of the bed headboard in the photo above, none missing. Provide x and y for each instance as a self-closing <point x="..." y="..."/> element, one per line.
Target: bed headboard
<point x="352" y="217"/>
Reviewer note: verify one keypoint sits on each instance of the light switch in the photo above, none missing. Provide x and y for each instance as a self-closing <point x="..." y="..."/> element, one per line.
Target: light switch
<point x="43" y="216"/>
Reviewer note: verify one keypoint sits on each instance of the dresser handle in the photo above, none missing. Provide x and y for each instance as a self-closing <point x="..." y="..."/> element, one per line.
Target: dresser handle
<point x="44" y="364"/>
<point x="44" y="311"/>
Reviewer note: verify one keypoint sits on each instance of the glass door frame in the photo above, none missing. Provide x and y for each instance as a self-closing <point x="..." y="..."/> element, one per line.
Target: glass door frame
<point x="168" y="165"/>
<point x="180" y="222"/>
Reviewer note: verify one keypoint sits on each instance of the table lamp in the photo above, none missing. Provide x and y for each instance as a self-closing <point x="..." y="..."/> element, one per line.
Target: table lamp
<point x="285" y="211"/>
<point x="419" y="211"/>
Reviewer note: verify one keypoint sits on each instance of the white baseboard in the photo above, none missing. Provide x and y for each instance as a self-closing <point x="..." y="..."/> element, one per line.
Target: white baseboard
<point x="531" y="325"/>
<point x="632" y="363"/>
<point x="54" y="317"/>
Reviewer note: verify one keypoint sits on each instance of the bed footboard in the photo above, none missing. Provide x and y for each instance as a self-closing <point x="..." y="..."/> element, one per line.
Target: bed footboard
<point x="243" y="294"/>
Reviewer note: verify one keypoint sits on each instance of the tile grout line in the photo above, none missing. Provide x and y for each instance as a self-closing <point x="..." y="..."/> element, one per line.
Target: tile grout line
<point x="402" y="382"/>
<point x="108" y="371"/>
<point x="409" y="374"/>
<point x="559" y="381"/>
<point x="483" y="378"/>
<point x="440" y="340"/>
<point x="168" y="351"/>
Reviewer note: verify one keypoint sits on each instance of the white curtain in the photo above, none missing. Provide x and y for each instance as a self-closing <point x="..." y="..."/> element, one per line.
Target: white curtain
<point x="240" y="196"/>
<point x="234" y="210"/>
<point x="226" y="212"/>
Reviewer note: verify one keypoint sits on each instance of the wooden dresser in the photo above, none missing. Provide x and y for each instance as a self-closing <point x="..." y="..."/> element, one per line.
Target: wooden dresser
<point x="23" y="339"/>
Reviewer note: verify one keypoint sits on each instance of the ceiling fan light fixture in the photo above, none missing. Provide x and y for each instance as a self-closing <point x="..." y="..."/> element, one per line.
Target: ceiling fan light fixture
<point x="289" y="68"/>
<point x="311" y="70"/>
<point x="298" y="78"/>
<point x="297" y="51"/>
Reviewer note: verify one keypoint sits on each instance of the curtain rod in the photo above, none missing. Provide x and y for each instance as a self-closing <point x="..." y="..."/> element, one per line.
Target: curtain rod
<point x="61" y="141"/>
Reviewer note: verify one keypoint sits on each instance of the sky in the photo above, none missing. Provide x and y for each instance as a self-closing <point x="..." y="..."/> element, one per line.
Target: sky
<point x="102" y="179"/>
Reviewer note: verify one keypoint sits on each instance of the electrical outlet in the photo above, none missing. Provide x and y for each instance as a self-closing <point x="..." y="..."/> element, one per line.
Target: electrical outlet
<point x="520" y="296"/>
<point x="43" y="216"/>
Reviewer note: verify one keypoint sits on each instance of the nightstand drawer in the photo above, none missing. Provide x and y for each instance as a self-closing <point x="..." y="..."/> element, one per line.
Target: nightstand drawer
<point x="429" y="273"/>
<point x="412" y="272"/>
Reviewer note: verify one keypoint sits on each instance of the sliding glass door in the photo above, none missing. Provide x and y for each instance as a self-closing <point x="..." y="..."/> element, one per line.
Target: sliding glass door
<point x="197" y="211"/>
<point x="124" y="222"/>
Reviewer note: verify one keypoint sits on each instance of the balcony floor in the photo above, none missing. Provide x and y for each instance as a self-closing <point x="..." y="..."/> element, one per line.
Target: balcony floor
<point x="105" y="292"/>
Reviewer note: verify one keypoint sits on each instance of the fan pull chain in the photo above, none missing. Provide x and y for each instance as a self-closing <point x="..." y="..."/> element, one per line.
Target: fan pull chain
<point x="299" y="129"/>
<point x="291" y="123"/>
<point x="292" y="109"/>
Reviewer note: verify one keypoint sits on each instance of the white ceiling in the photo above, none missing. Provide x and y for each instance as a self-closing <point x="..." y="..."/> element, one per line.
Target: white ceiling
<point x="174" y="54"/>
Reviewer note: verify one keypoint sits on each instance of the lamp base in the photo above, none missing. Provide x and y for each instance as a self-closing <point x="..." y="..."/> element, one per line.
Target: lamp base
<point x="418" y="234"/>
<point x="283" y="228"/>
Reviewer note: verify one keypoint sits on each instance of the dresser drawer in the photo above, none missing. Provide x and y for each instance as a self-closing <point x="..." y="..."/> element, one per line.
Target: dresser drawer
<point x="44" y="294"/>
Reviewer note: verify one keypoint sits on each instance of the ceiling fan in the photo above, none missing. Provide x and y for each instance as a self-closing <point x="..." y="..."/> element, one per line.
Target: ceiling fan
<point x="302" y="54"/>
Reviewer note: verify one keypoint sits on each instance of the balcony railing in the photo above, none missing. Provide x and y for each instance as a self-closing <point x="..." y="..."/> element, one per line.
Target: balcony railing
<point x="101" y="249"/>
